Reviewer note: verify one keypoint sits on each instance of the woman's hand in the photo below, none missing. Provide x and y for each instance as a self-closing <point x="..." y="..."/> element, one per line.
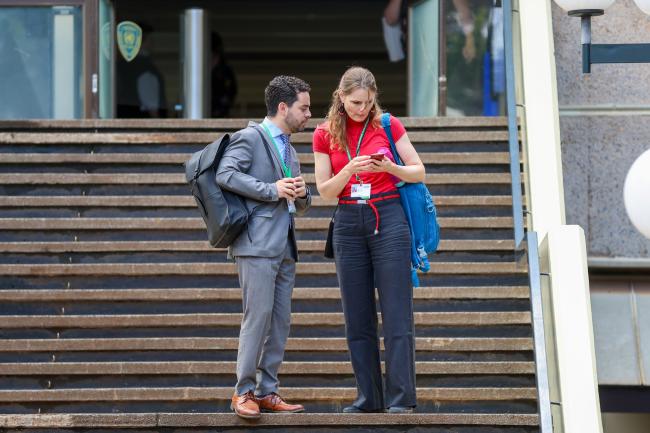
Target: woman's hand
<point x="412" y="170"/>
<point x="383" y="165"/>
<point x="357" y="165"/>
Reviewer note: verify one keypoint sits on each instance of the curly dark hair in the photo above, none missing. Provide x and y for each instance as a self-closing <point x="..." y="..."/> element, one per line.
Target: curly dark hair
<point x="285" y="89"/>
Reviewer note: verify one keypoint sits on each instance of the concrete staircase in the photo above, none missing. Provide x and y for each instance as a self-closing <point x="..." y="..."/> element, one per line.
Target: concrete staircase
<point x="115" y="314"/>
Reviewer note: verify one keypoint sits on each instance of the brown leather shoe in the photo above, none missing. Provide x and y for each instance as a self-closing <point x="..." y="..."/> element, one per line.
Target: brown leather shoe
<point x="274" y="403"/>
<point x="245" y="406"/>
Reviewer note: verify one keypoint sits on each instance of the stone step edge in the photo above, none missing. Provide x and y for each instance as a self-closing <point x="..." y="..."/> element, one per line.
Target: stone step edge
<point x="203" y="246"/>
<point x="95" y="321"/>
<point x="233" y="124"/>
<point x="204" y="138"/>
<point x="229" y="368"/>
<point x="149" y="420"/>
<point x="234" y="294"/>
<point x="144" y="158"/>
<point x="188" y="201"/>
<point x="195" y="223"/>
<point x="49" y="179"/>
<point x="216" y="268"/>
<point x="314" y="344"/>
<point x="225" y="393"/>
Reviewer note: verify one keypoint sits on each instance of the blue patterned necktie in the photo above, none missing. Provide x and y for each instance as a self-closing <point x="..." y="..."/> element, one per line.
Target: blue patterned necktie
<point x="285" y="156"/>
<point x="285" y="152"/>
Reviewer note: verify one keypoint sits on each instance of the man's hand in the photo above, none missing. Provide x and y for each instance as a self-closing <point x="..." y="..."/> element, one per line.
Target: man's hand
<point x="286" y="188"/>
<point x="301" y="188"/>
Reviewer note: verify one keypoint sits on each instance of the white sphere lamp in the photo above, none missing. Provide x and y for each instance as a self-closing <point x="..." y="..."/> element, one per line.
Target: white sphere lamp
<point x="644" y="5"/>
<point x="584" y="5"/>
<point x="636" y="194"/>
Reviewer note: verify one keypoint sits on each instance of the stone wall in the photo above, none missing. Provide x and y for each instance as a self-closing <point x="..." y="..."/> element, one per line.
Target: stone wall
<point x="605" y="126"/>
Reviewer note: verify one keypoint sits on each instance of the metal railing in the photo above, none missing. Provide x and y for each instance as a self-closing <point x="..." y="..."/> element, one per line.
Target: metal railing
<point x="513" y="130"/>
<point x="534" y="275"/>
<point x="539" y="337"/>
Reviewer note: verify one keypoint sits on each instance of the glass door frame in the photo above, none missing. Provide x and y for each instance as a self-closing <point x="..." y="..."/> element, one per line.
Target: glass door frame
<point x="442" y="59"/>
<point x="441" y="79"/>
<point x="90" y="38"/>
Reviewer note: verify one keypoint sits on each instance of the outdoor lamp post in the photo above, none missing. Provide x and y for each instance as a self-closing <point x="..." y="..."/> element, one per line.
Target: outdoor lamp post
<point x="604" y="53"/>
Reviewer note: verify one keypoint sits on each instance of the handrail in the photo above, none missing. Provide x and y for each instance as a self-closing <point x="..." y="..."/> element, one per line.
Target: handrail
<point x="539" y="337"/>
<point x="513" y="131"/>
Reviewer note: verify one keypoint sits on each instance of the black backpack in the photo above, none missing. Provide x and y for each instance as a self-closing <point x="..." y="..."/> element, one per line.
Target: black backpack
<point x="224" y="212"/>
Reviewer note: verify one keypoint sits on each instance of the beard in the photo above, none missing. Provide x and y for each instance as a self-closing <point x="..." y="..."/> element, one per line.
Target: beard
<point x="293" y="123"/>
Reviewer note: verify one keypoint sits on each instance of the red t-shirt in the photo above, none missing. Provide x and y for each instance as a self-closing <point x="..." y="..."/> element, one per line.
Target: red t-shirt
<point x="374" y="141"/>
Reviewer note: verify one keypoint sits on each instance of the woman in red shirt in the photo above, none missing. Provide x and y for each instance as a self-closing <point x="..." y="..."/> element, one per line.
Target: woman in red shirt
<point x="371" y="239"/>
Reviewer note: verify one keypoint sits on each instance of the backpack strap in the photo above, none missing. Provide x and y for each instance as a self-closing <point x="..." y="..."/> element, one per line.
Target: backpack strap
<point x="385" y="123"/>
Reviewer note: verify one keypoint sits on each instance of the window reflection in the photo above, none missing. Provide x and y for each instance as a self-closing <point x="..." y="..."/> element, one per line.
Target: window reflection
<point x="475" y="58"/>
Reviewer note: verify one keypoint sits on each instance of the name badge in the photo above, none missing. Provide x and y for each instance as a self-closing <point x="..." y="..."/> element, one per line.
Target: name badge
<point x="361" y="190"/>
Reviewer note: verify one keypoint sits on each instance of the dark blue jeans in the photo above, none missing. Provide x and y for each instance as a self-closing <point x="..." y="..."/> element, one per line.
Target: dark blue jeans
<point x="365" y="261"/>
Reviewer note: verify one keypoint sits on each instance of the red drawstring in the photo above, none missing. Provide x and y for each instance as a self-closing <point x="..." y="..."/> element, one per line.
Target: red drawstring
<point x="370" y="203"/>
<point x="374" y="209"/>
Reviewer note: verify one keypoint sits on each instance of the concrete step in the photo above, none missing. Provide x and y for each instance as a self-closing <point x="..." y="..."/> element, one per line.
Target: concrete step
<point x="306" y="420"/>
<point x="320" y="344"/>
<point x="196" y="294"/>
<point x="194" y="138"/>
<point x="229" y="368"/>
<point x="234" y="320"/>
<point x="201" y="246"/>
<point x="482" y="158"/>
<point x="302" y="223"/>
<point x="73" y="126"/>
<point x="188" y="201"/>
<point x="222" y="393"/>
<point x="151" y="360"/>
<point x="214" y="269"/>
<point x="177" y="178"/>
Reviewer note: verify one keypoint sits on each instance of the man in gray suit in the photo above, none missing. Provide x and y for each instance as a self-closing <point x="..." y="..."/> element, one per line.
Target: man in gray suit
<point x="261" y="165"/>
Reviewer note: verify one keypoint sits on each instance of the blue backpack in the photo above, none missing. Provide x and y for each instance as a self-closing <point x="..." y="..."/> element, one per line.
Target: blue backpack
<point x="420" y="212"/>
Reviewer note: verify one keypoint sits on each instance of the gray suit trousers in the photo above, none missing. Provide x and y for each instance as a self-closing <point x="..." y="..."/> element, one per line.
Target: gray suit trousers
<point x="267" y="285"/>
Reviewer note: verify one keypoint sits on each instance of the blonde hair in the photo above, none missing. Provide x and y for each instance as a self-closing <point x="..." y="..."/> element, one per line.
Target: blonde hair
<point x="353" y="79"/>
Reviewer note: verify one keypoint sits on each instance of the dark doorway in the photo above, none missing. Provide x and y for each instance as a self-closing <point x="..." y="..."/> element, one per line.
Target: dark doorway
<point x="315" y="40"/>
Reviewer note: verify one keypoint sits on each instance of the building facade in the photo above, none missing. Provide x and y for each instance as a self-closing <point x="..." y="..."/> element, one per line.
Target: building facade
<point x="605" y="126"/>
<point x="60" y="60"/>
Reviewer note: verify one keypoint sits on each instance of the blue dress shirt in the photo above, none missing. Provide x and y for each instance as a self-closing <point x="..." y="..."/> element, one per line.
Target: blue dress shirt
<point x="276" y="133"/>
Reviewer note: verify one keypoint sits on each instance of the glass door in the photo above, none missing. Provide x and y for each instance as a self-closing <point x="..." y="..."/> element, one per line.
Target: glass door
<point x="423" y="66"/>
<point x="48" y="59"/>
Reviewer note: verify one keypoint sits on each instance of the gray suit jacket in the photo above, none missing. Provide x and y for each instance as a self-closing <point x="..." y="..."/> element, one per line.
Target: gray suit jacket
<point x="247" y="170"/>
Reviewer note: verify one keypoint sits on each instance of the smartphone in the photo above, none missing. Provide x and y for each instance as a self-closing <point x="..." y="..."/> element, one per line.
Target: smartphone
<point x="377" y="156"/>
